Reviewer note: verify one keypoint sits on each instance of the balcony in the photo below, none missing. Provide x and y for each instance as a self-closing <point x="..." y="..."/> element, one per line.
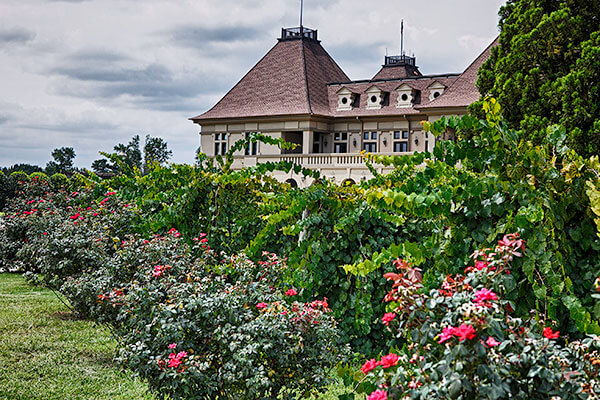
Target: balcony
<point x="314" y="161"/>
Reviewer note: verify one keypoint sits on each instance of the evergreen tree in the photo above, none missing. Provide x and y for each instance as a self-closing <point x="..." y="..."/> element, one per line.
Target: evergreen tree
<point x="63" y="161"/>
<point x="546" y="69"/>
<point x="156" y="151"/>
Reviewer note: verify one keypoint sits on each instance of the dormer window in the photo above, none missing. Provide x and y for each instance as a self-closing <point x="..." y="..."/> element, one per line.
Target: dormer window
<point x="375" y="97"/>
<point x="407" y="96"/>
<point x="346" y="99"/>
<point x="435" y="90"/>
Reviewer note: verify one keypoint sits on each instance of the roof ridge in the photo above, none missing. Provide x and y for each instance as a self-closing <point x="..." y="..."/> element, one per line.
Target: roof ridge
<point x="473" y="63"/>
<point x="306" y="77"/>
<point x="237" y="84"/>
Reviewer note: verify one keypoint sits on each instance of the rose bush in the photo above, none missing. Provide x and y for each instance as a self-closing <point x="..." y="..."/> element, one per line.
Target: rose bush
<point x="223" y="331"/>
<point x="461" y="341"/>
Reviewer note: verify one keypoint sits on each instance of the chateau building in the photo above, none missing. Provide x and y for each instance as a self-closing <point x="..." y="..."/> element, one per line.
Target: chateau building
<point x="299" y="93"/>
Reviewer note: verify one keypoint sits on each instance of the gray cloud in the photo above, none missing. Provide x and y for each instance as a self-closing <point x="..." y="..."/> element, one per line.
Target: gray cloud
<point x="90" y="74"/>
<point x="200" y="36"/>
<point x="15" y="36"/>
<point x="114" y="73"/>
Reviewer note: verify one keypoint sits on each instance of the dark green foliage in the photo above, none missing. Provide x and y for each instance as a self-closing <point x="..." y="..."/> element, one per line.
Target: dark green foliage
<point x="63" y="161"/>
<point x="156" y="152"/>
<point x="27" y="168"/>
<point x="129" y="158"/>
<point x="546" y="69"/>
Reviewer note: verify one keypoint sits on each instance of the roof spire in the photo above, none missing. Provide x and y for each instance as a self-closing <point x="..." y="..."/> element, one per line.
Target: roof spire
<point x="402" y="38"/>
<point x="301" y="11"/>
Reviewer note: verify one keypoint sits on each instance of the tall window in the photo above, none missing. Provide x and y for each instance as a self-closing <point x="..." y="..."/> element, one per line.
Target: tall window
<point x="220" y="144"/>
<point x="340" y="142"/>
<point x="370" y="142"/>
<point x="252" y="147"/>
<point x="401" y="141"/>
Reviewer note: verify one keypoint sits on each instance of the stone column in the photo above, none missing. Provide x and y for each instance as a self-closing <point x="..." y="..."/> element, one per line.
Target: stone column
<point x="307" y="142"/>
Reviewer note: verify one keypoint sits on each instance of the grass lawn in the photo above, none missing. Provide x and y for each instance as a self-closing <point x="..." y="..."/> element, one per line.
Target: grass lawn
<point x="45" y="354"/>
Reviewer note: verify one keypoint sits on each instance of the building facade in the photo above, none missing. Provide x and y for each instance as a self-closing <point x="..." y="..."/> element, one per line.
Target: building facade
<point x="297" y="92"/>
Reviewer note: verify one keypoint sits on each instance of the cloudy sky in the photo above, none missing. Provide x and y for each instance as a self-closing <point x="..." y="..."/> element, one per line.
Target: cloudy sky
<point x="92" y="73"/>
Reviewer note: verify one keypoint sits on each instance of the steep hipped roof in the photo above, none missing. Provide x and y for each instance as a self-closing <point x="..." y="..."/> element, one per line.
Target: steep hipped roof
<point x="463" y="92"/>
<point x="397" y="72"/>
<point x="290" y="79"/>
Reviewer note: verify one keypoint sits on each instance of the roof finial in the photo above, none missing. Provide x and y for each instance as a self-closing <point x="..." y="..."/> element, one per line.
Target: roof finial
<point x="402" y="38"/>
<point x="301" y="11"/>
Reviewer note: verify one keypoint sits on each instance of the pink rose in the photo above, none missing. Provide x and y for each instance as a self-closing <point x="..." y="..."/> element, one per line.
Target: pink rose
<point x="464" y="332"/>
<point x="172" y="345"/>
<point x="485" y="295"/>
<point x="369" y="366"/>
<point x="387" y="318"/>
<point x="389" y="361"/>
<point x="378" y="395"/>
<point x="261" y="305"/>
<point x="491" y="342"/>
<point x="291" y="292"/>
<point x="446" y="334"/>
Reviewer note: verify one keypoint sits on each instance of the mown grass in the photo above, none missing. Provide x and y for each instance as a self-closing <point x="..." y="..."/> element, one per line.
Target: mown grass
<point x="48" y="354"/>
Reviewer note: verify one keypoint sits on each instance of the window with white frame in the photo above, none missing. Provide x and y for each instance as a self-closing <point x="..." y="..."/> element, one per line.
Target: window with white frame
<point x="401" y="141"/>
<point x="220" y="144"/>
<point x="370" y="142"/>
<point x="251" y="147"/>
<point x="340" y="142"/>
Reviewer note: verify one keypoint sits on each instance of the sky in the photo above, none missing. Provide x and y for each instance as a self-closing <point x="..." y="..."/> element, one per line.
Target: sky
<point x="89" y="74"/>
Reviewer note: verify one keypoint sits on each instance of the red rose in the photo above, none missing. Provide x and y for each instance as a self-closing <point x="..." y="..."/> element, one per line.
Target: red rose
<point x="389" y="361"/>
<point x="549" y="334"/>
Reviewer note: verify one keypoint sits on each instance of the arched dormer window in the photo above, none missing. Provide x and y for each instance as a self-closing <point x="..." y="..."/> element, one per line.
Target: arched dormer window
<point x="346" y="99"/>
<point x="407" y="96"/>
<point x="375" y="97"/>
<point x="435" y="90"/>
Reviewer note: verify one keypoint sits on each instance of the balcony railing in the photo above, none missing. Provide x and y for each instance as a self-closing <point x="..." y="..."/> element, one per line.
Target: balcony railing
<point x="318" y="160"/>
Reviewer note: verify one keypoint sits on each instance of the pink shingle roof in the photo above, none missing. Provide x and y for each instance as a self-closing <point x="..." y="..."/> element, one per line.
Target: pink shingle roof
<point x="463" y="92"/>
<point x="397" y="72"/>
<point x="420" y="84"/>
<point x="290" y="79"/>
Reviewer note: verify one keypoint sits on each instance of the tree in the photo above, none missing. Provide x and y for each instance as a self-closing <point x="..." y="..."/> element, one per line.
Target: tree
<point x="129" y="157"/>
<point x="63" y="161"/>
<point x="545" y="69"/>
<point x="130" y="153"/>
<point x="27" y="168"/>
<point x="156" y="151"/>
<point x="103" y="166"/>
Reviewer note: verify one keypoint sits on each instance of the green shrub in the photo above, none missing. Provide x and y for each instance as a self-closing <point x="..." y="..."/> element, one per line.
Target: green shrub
<point x="59" y="181"/>
<point x="19" y="176"/>
<point x="39" y="176"/>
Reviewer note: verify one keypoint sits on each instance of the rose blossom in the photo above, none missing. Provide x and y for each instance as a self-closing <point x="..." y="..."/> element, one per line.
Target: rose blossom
<point x="446" y="334"/>
<point x="261" y="305"/>
<point x="387" y="318"/>
<point x="378" y="395"/>
<point x="172" y="345"/>
<point x="291" y="292"/>
<point x="464" y="332"/>
<point x="491" y="342"/>
<point x="369" y="366"/>
<point x="549" y="334"/>
<point x="389" y="361"/>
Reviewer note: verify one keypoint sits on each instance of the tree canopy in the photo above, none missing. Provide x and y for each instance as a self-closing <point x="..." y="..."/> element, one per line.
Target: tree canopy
<point x="130" y="156"/>
<point x="63" y="161"/>
<point x="547" y="68"/>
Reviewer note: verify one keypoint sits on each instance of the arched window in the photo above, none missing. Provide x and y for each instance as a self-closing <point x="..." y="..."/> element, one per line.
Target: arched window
<point x="292" y="182"/>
